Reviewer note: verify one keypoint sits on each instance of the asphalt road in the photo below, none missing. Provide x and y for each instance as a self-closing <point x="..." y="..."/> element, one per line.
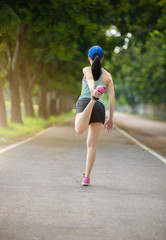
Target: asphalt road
<point x="152" y="133"/>
<point x="41" y="196"/>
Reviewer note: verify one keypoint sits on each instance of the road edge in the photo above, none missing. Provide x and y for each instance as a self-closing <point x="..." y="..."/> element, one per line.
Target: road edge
<point x="5" y="149"/>
<point x="11" y="146"/>
<point x="161" y="158"/>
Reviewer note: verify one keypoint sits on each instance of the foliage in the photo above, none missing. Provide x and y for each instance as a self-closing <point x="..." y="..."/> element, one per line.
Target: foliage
<point x="141" y="77"/>
<point x="61" y="32"/>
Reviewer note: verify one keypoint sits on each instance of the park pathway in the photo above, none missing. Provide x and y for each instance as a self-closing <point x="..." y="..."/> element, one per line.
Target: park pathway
<point x="41" y="197"/>
<point x="152" y="133"/>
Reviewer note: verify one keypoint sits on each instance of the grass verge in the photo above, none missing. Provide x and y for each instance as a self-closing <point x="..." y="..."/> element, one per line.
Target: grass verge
<point x="30" y="126"/>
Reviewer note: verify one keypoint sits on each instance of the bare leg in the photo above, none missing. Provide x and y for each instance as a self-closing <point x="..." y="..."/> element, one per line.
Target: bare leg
<point x="92" y="140"/>
<point x="82" y="119"/>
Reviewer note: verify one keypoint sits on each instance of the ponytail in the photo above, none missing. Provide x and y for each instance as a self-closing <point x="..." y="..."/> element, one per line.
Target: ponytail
<point x="96" y="67"/>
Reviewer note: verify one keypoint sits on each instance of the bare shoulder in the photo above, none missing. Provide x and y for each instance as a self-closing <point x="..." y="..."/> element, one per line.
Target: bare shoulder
<point x="86" y="69"/>
<point x="107" y="78"/>
<point x="87" y="72"/>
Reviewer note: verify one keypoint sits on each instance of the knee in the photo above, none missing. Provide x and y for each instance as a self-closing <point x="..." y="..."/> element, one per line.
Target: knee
<point x="79" y="130"/>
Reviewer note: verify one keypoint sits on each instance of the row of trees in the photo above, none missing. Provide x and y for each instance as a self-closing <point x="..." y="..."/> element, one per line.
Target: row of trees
<point x="39" y="44"/>
<point x="43" y="47"/>
<point x="141" y="77"/>
<point x="140" y="71"/>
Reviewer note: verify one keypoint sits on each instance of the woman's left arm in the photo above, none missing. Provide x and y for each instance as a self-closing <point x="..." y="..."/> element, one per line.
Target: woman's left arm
<point x="89" y="78"/>
<point x="111" y="94"/>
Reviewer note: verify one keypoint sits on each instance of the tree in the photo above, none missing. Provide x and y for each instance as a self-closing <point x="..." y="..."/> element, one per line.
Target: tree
<point x="13" y="72"/>
<point x="55" y="30"/>
<point x="60" y="32"/>
<point x="140" y="78"/>
<point x="9" y="24"/>
<point x="139" y="17"/>
<point x="3" y="118"/>
<point x="3" y="114"/>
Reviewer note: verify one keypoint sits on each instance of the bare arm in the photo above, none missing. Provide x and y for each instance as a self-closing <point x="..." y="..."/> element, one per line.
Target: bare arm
<point x="111" y="94"/>
<point x="89" y="77"/>
<point x="90" y="81"/>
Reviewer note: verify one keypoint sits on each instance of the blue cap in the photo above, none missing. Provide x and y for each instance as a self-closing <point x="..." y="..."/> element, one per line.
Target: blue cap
<point x="95" y="49"/>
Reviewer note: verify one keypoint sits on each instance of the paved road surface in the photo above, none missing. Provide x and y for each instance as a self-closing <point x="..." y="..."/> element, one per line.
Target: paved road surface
<point x="150" y="132"/>
<point x="42" y="198"/>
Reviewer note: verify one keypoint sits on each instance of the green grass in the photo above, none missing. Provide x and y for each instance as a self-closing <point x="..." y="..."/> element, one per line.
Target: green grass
<point x="29" y="127"/>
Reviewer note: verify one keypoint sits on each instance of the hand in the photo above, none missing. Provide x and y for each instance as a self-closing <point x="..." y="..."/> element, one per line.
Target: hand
<point x="109" y="125"/>
<point x="95" y="93"/>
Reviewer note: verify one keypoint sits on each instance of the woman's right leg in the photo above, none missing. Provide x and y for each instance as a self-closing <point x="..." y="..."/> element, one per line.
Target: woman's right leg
<point x="82" y="119"/>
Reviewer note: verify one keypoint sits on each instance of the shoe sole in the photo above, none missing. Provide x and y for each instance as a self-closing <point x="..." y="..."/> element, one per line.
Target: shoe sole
<point x="85" y="184"/>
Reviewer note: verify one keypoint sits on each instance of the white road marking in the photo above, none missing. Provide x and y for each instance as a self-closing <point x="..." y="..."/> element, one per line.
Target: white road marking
<point x="161" y="158"/>
<point x="5" y="149"/>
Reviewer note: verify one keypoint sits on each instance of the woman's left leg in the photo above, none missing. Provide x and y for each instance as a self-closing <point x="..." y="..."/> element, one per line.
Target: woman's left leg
<point x="92" y="140"/>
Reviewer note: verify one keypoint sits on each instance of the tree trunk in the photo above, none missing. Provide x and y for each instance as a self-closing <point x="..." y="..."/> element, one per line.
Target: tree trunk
<point x="25" y="89"/>
<point x="3" y="117"/>
<point x="28" y="104"/>
<point x="13" y="62"/>
<point x="42" y="102"/>
<point x="15" y="99"/>
<point x="69" y="102"/>
<point x="54" y="104"/>
<point x="53" y="107"/>
<point x="62" y="102"/>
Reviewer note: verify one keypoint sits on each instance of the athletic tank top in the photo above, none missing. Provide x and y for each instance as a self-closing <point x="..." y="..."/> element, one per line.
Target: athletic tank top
<point x="85" y="92"/>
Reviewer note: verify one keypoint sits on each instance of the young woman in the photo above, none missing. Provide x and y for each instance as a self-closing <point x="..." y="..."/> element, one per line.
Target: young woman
<point x="90" y="110"/>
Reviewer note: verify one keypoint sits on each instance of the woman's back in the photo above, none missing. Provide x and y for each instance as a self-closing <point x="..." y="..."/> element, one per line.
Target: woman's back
<point x="85" y="93"/>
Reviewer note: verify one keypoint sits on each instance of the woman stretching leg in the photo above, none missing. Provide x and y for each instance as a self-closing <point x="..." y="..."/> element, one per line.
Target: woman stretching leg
<point x="90" y="110"/>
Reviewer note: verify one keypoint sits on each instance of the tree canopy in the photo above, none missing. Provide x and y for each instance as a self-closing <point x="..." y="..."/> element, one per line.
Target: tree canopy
<point x="44" y="44"/>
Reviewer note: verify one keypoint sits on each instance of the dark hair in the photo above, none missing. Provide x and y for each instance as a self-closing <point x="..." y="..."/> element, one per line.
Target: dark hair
<point x="96" y="67"/>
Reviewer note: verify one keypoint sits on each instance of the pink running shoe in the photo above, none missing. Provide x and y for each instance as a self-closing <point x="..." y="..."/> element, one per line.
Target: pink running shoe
<point x="101" y="90"/>
<point x="86" y="181"/>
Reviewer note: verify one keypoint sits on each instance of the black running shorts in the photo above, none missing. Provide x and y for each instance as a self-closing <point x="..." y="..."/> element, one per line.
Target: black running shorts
<point x="98" y="112"/>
